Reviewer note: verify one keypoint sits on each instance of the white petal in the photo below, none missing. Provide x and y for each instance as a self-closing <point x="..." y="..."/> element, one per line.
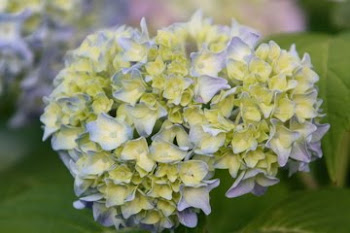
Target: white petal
<point x="206" y="87"/>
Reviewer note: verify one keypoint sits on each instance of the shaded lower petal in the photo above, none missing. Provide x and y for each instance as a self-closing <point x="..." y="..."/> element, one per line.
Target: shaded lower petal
<point x="300" y="152"/>
<point x="316" y="148"/>
<point x="197" y="198"/>
<point x="240" y="188"/>
<point x="188" y="218"/>
<point x="265" y="181"/>
<point x="259" y="190"/>
<point x="320" y="132"/>
<point x="103" y="215"/>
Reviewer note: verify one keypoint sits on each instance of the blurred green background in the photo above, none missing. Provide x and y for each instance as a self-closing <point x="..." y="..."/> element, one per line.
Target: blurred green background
<point x="36" y="193"/>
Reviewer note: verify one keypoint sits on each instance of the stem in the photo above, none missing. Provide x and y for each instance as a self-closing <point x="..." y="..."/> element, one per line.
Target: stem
<point x="342" y="160"/>
<point x="238" y="118"/>
<point x="308" y="180"/>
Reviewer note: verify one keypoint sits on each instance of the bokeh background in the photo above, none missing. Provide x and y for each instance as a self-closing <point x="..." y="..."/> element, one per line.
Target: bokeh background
<point x="36" y="191"/>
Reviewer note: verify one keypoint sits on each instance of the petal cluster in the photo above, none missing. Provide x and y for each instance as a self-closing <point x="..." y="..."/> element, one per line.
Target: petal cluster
<point x="143" y="122"/>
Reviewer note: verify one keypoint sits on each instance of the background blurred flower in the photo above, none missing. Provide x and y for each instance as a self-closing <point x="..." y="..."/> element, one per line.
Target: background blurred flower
<point x="36" y="36"/>
<point x="267" y="16"/>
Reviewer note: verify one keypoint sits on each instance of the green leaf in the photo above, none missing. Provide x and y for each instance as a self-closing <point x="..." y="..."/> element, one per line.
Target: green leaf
<point x="44" y="209"/>
<point x="319" y="14"/>
<point x="15" y="144"/>
<point x="36" y="195"/>
<point x="306" y="212"/>
<point x="229" y="215"/>
<point x="330" y="56"/>
<point x="130" y="230"/>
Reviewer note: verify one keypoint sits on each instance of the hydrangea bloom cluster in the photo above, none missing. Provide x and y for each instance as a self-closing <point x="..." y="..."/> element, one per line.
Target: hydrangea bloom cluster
<point x="143" y="123"/>
<point x="34" y="36"/>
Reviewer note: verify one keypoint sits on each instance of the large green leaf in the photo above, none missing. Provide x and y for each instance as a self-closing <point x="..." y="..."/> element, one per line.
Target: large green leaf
<point x="319" y="14"/>
<point x="330" y="56"/>
<point x="324" y="211"/>
<point x="43" y="209"/>
<point x="229" y="215"/>
<point x="36" y="195"/>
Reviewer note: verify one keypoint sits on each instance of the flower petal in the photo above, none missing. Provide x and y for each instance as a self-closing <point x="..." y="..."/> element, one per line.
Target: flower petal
<point x="240" y="187"/>
<point x="108" y="132"/>
<point x="300" y="152"/>
<point x="144" y="118"/>
<point x="204" y="142"/>
<point x="244" y="141"/>
<point x="188" y="218"/>
<point x="129" y="87"/>
<point x="206" y="87"/>
<point x="197" y="198"/>
<point x="238" y="50"/>
<point x="207" y="63"/>
<point x="192" y="172"/>
<point x="65" y="139"/>
<point x="103" y="215"/>
<point x="140" y="202"/>
<point x="164" y="152"/>
<point x="117" y="195"/>
<point x="281" y="140"/>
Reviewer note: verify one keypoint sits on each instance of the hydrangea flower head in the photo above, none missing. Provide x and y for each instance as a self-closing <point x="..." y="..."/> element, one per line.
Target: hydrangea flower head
<point x="143" y="122"/>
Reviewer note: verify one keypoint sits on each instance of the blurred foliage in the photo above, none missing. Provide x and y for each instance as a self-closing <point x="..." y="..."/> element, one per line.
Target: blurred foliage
<point x="328" y="16"/>
<point x="7" y="106"/>
<point x="341" y="15"/>
<point x="311" y="212"/>
<point x="229" y="215"/>
<point x="11" y="151"/>
<point x="37" y="194"/>
<point x="319" y="15"/>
